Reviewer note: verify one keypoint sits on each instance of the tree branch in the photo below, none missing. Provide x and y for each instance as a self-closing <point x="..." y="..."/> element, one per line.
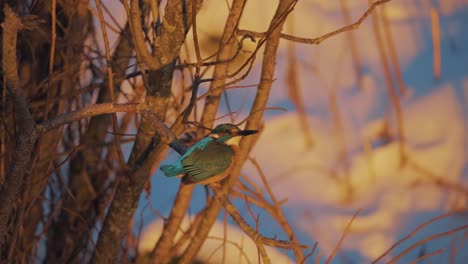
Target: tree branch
<point x="254" y="235"/>
<point x="161" y="251"/>
<point x="320" y="39"/>
<point x="256" y="114"/>
<point x="24" y="146"/>
<point x="171" y="34"/>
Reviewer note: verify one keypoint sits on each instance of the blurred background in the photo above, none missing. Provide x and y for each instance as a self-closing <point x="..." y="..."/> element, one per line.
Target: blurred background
<point x="361" y="153"/>
<point x="374" y="119"/>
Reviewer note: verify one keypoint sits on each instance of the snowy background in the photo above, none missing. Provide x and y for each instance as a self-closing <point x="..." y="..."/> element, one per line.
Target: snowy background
<point x="394" y="199"/>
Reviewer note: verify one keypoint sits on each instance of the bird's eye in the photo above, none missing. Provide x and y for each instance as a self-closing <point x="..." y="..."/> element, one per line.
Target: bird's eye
<point x="227" y="131"/>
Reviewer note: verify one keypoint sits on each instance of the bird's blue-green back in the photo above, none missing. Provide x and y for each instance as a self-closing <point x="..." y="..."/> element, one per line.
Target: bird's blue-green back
<point x="207" y="161"/>
<point x="177" y="168"/>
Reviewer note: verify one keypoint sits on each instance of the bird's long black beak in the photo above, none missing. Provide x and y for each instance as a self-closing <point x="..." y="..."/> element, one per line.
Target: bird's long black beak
<point x="247" y="132"/>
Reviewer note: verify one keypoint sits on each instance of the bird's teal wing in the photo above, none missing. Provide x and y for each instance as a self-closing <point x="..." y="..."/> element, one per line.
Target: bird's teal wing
<point x="172" y="170"/>
<point x="206" y="162"/>
<point x="200" y="145"/>
<point x="177" y="168"/>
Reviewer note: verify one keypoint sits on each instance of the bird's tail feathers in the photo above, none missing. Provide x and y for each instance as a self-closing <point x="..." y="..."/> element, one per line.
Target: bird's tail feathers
<point x="171" y="170"/>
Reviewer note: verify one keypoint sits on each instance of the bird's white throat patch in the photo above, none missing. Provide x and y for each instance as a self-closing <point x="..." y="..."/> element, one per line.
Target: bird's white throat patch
<point x="214" y="135"/>
<point x="232" y="141"/>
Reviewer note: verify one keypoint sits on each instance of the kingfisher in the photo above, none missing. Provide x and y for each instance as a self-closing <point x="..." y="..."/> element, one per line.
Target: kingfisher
<point x="209" y="160"/>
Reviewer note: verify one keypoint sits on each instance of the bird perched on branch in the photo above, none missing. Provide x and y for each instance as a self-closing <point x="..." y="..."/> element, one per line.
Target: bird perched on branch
<point x="209" y="160"/>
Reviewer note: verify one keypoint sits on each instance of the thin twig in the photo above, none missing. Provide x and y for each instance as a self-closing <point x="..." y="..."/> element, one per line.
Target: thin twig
<point x="52" y="52"/>
<point x="269" y="59"/>
<point x="254" y="235"/>
<point x="110" y="79"/>
<point x="425" y="240"/>
<point x="320" y="39"/>
<point x="343" y="235"/>
<point x="279" y="213"/>
<point x="355" y="57"/>
<point x="427" y="255"/>
<point x="435" y="29"/>
<point x="394" y="99"/>
<point x="393" y="53"/>
<point x="421" y="226"/>
<point x="85" y="112"/>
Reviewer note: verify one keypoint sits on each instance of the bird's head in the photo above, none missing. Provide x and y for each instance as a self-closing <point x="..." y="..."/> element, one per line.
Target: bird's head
<point x="224" y="132"/>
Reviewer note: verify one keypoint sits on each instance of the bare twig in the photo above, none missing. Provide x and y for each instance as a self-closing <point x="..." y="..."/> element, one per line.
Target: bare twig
<point x="85" y="112"/>
<point x="425" y="240"/>
<point x="52" y="51"/>
<point x="254" y="235"/>
<point x="357" y="64"/>
<point x="284" y="7"/>
<point x="427" y="255"/>
<point x="343" y="235"/>
<point x="320" y="39"/>
<point x="440" y="180"/>
<point x="393" y="53"/>
<point x="421" y="226"/>
<point x="161" y="252"/>
<point x="294" y="91"/>
<point x="110" y="79"/>
<point x="279" y="213"/>
<point x="394" y="99"/>
<point x="435" y="28"/>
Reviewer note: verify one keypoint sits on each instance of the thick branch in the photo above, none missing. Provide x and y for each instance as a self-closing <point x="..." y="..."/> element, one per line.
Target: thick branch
<point x="85" y="112"/>
<point x="167" y="136"/>
<point x="15" y="175"/>
<point x="171" y="34"/>
<point x="68" y="228"/>
<point x="161" y="252"/>
<point x="149" y="148"/>
<point x="256" y="114"/>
